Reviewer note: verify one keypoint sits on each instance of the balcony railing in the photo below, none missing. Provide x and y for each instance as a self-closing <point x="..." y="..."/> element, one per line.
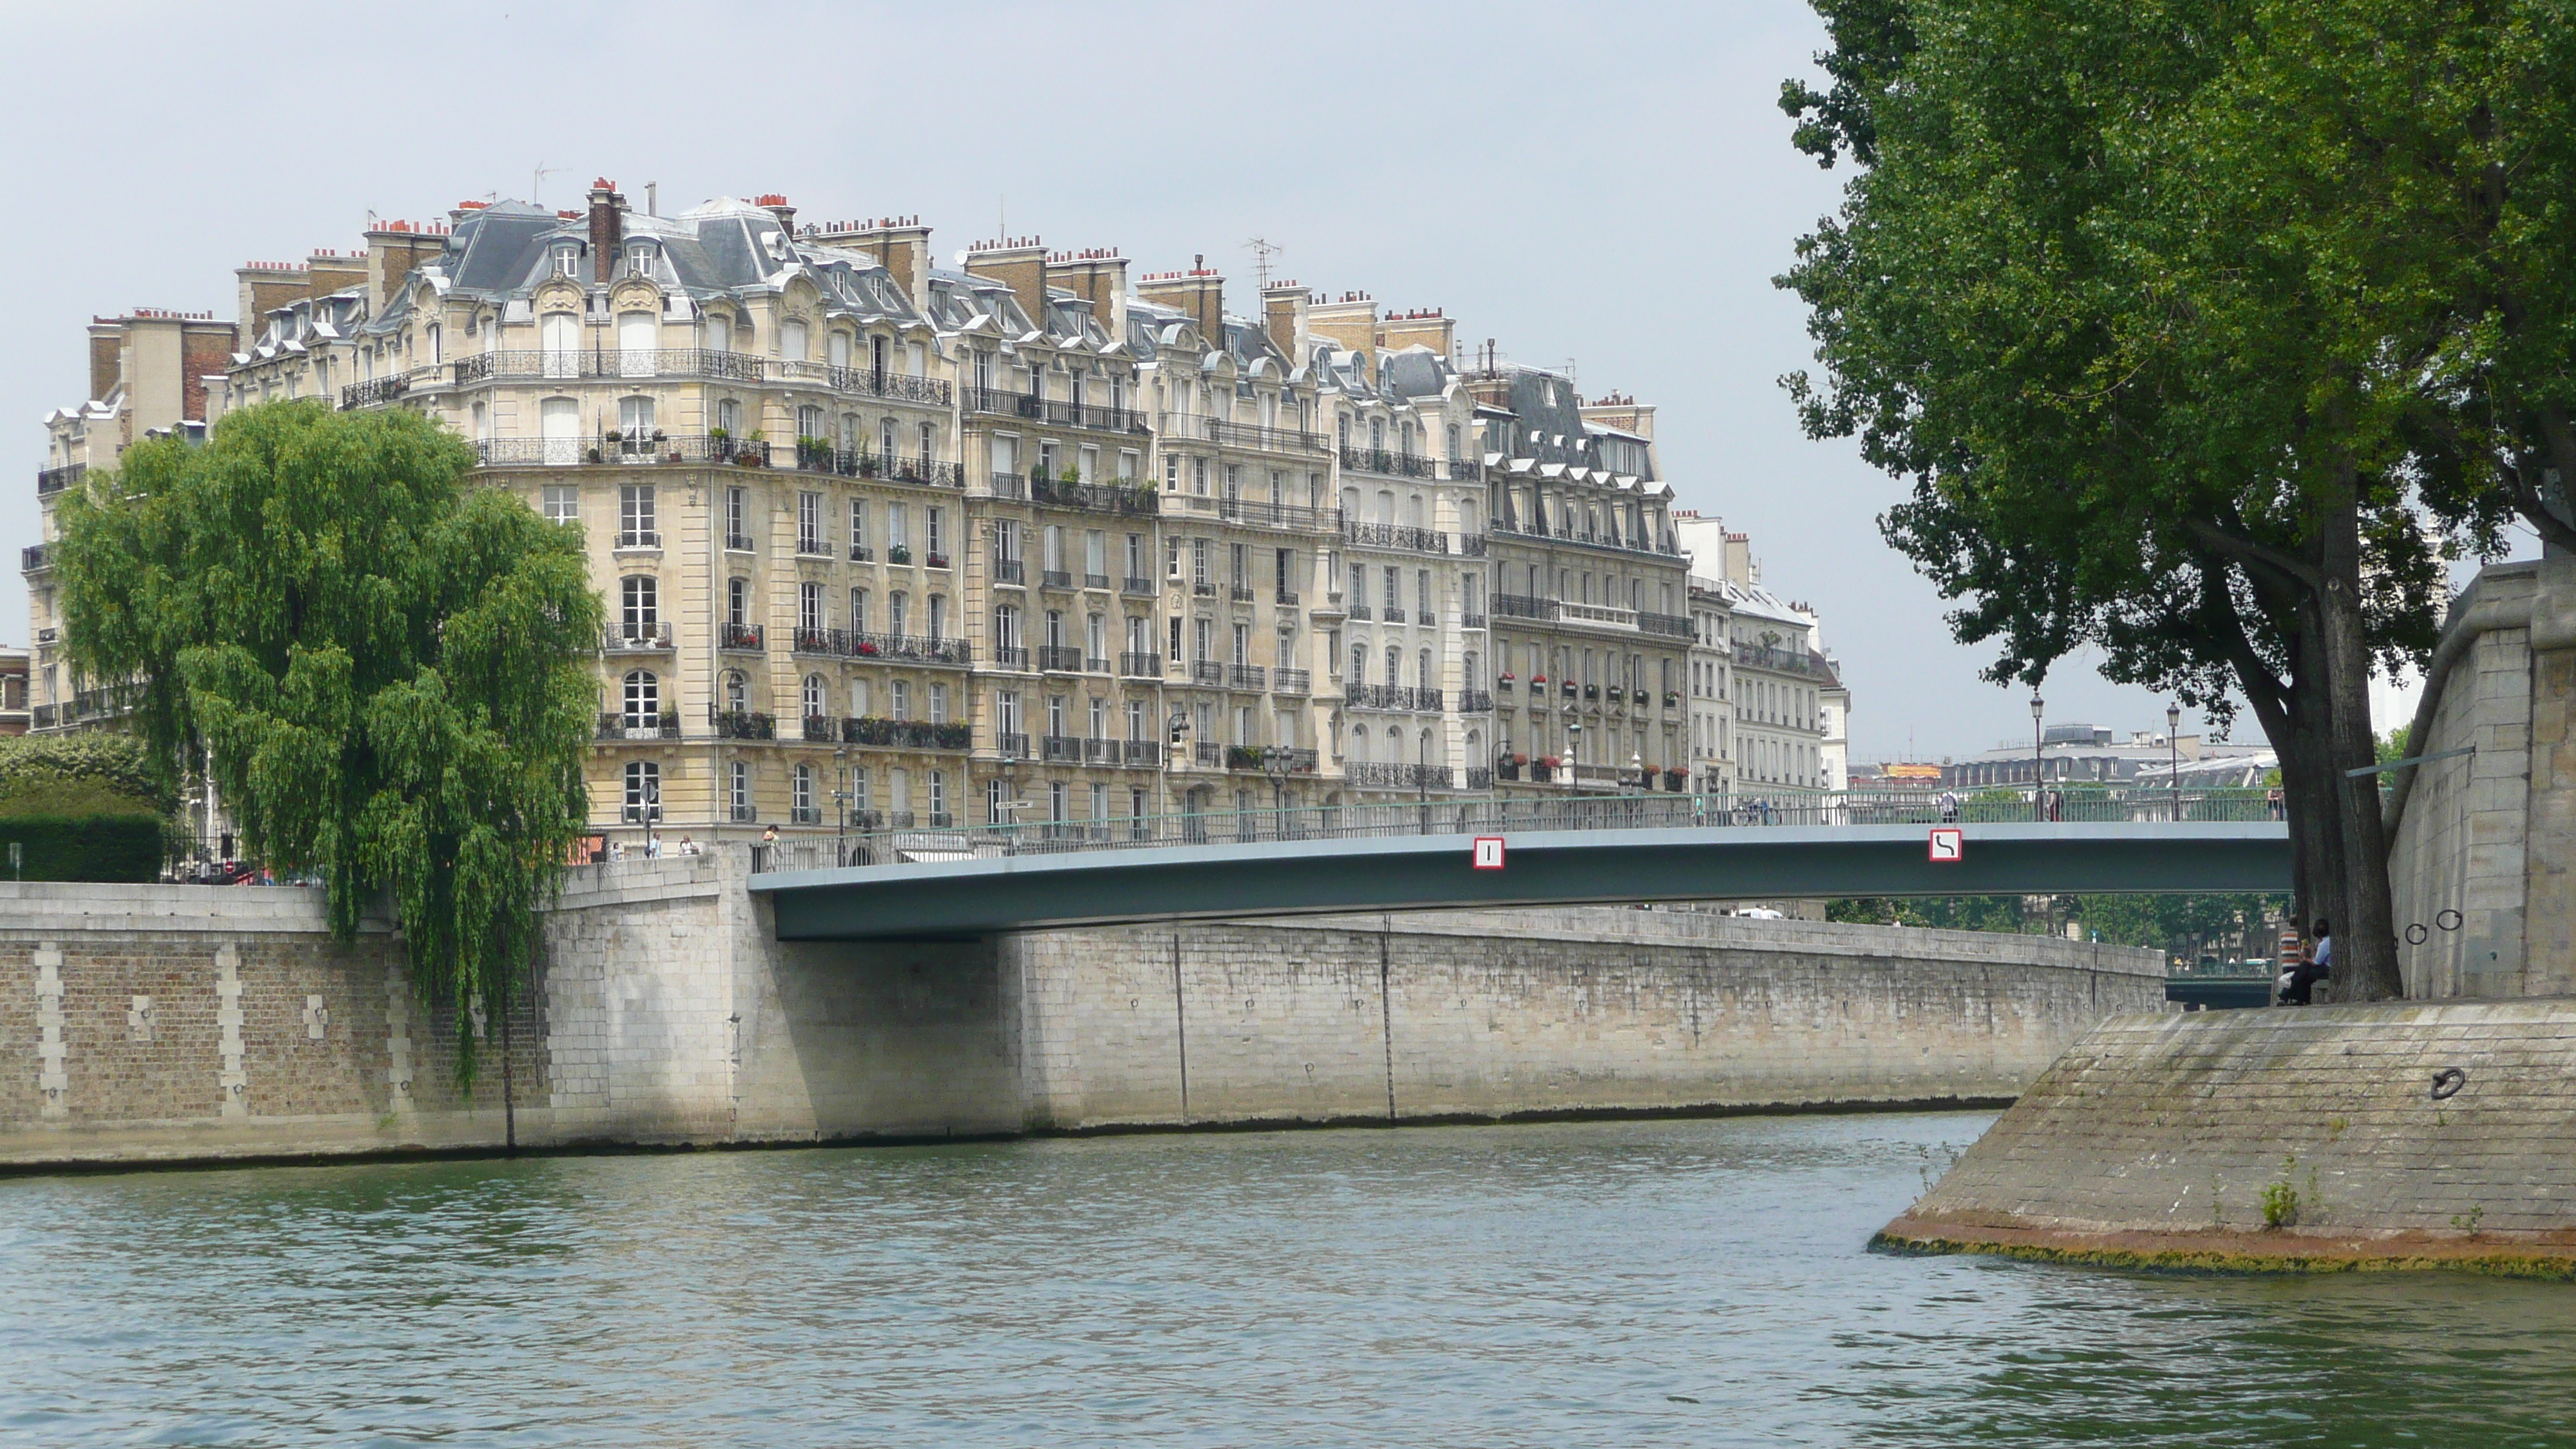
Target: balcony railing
<point x="1052" y="412"/>
<point x="615" y="725"/>
<point x="1060" y="658"/>
<point x="1390" y="696"/>
<point x="612" y="362"/>
<point x="882" y="467"/>
<point x="1783" y="661"/>
<point x="1141" y="753"/>
<point x="1061" y="749"/>
<point x="1240" y="593"/>
<point x="375" y="391"/>
<point x="1475" y="701"/>
<point x="888" y="648"/>
<point x="1054" y="579"/>
<point x="1471" y="621"/>
<point x="1288" y="681"/>
<point x="1262" y="513"/>
<point x="1095" y="581"/>
<point x="1379" y="460"/>
<point x="1675" y="626"/>
<point x="55" y="480"/>
<point x="1208" y="672"/>
<point x="1389" y="535"/>
<point x="1270" y="759"/>
<point x="639" y="538"/>
<point x="738" y="636"/>
<point x="1241" y="435"/>
<point x="1285" y="598"/>
<point x="1010" y="656"/>
<point x="1394" y="615"/>
<point x="36" y="556"/>
<point x="1387" y="775"/>
<point x="820" y="729"/>
<point x="1208" y="753"/>
<point x="1134" y="585"/>
<point x="1125" y="499"/>
<point x="740" y="724"/>
<point x="1251" y="677"/>
<point x="1011" y="744"/>
<point x="1134" y="665"/>
<point x="669" y="448"/>
<point x="1360" y="613"/>
<point x="637" y="639"/>
<point x="1524" y="606"/>
<point x="1537" y="528"/>
<point x="907" y="734"/>
<point x="869" y="382"/>
<point x="1010" y="571"/>
<point x="1464" y="471"/>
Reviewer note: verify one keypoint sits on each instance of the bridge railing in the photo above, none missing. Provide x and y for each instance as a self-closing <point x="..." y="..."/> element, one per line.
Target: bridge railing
<point x="1498" y="815"/>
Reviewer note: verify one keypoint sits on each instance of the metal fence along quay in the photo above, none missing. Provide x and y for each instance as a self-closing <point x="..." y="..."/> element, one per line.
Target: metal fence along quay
<point x="1497" y="815"/>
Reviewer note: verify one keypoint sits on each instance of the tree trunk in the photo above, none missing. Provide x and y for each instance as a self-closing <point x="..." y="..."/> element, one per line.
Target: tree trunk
<point x="2365" y="932"/>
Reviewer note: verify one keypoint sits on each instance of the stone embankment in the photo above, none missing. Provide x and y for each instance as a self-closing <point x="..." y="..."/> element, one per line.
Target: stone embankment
<point x="2397" y="1135"/>
<point x="145" y="1023"/>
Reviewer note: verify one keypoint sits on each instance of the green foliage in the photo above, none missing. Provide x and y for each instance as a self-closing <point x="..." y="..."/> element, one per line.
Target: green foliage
<point x="1948" y="913"/>
<point x="59" y="796"/>
<point x="390" y="669"/>
<point x="127" y="845"/>
<point x="122" y="763"/>
<point x="2392" y="745"/>
<point x="2175" y="924"/>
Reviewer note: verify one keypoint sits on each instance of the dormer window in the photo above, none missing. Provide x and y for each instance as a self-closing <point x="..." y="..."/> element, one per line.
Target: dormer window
<point x="639" y="261"/>
<point x="567" y="259"/>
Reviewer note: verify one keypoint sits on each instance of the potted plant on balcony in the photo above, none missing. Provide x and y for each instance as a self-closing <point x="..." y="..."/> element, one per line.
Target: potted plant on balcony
<point x="1672" y="699"/>
<point x="755" y="450"/>
<point x="591" y="456"/>
<point x="934" y="560"/>
<point x="671" y="722"/>
<point x="899" y="553"/>
<point x="1503" y="681"/>
<point x="1676" y="781"/>
<point x="1592" y="691"/>
<point x="867" y="649"/>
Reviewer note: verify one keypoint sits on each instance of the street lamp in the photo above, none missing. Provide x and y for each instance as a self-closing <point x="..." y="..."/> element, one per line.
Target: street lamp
<point x="1637" y="766"/>
<point x="2173" y="755"/>
<point x="1173" y="729"/>
<point x="2038" y="761"/>
<point x="1573" y="749"/>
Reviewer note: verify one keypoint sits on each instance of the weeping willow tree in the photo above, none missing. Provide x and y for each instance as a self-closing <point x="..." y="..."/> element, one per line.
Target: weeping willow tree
<point x="385" y="669"/>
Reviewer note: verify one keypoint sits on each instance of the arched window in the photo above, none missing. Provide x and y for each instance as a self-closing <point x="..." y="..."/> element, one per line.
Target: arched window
<point x="639" y="606"/>
<point x="643" y="700"/>
<point x="1359" y="742"/>
<point x="817" y="697"/>
<point x="737" y="691"/>
<point x="1359" y="664"/>
<point x="1467" y="669"/>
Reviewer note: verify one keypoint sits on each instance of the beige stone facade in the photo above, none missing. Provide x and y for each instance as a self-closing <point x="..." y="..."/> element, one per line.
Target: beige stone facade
<point x="1025" y="539"/>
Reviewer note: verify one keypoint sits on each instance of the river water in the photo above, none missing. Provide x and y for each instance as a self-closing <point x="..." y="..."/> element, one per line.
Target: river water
<point x="1699" y="1282"/>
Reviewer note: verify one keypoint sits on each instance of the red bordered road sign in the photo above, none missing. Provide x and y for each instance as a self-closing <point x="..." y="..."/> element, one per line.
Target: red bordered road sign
<point x="1489" y="852"/>
<point x="1949" y="845"/>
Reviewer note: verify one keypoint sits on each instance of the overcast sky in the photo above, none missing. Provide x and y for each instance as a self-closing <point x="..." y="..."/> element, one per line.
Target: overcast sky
<point x="1606" y="184"/>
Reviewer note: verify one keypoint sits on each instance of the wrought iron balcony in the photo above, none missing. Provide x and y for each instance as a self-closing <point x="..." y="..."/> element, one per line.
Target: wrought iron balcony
<point x="907" y="734"/>
<point x="805" y="814"/>
<point x="1095" y="581"/>
<point x="1126" y="498"/>
<point x="1288" y="681"/>
<point x="1203" y="588"/>
<point x="55" y="480"/>
<point x="881" y="467"/>
<point x="1270" y="759"/>
<point x="746" y="813"/>
<point x="35" y="557"/>
<point x="1206" y="753"/>
<point x="1006" y="485"/>
<point x="1285" y="598"/>
<point x="1524" y="606"/>
<point x="871" y="382"/>
<point x="1385" y="774"/>
<point x="1240" y="593"/>
<point x="1010" y="571"/>
<point x="639" y="538"/>
<point x="1147" y="753"/>
<point x="738" y="542"/>
<point x="885" y="648"/>
<point x="738" y="724"/>
<point x="1060" y="658"/>
<point x="1379" y="460"/>
<point x="1054" y="579"/>
<point x="861" y="553"/>
<point x="637" y="639"/>
<point x="1676" y="626"/>
<point x="1394" y="615"/>
<point x="1134" y="665"/>
<point x="375" y="391"/>
<point x="612" y="362"/>
<point x="1251" y="677"/>
<point x="1475" y="701"/>
<point x="615" y="725"/>
<point x="821" y="729"/>
<point x="1010" y="656"/>
<point x="1289" y="517"/>
<point x="1137" y="586"/>
<point x="1208" y="672"/>
<point x="1389" y="535"/>
<point x="738" y="636"/>
<point x="1471" y="621"/>
<point x="1241" y="435"/>
<point x="1011" y="745"/>
<point x="1061" y="749"/>
<point x="1052" y="412"/>
<point x="1462" y="470"/>
<point x="1360" y="612"/>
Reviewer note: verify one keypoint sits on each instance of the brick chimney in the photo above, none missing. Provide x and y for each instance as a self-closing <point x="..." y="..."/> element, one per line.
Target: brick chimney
<point x="394" y="250"/>
<point x="900" y="244"/>
<point x="1348" y="321"/>
<point x="1200" y="292"/>
<point x="1098" y="275"/>
<point x="1283" y="316"/>
<point x="607" y="228"/>
<point x="778" y="207"/>
<point x="1399" y="330"/>
<point x="1019" y="263"/>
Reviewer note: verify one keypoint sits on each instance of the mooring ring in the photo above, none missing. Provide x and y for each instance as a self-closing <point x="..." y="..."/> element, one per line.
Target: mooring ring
<point x="2416" y="935"/>
<point x="2447" y="1083"/>
<point x="2448" y="920"/>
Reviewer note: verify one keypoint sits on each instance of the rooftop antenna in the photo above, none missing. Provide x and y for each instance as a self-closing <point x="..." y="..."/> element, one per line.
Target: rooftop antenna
<point x="1262" y="252"/>
<point x="537" y="182"/>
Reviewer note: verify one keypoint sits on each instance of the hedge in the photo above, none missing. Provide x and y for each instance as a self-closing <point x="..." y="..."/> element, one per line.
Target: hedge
<point x="82" y="847"/>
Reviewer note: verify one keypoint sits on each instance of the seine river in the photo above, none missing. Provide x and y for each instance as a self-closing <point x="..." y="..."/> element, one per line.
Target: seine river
<point x="1697" y="1282"/>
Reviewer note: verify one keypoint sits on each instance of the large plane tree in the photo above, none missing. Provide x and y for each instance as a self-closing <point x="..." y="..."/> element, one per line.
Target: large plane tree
<point x="2207" y="335"/>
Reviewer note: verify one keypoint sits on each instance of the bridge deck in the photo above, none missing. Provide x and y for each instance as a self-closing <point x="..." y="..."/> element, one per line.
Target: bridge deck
<point x="1430" y="872"/>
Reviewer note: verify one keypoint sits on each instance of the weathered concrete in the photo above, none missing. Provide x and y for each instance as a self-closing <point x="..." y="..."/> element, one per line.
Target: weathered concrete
<point x="180" y="1023"/>
<point x="2492" y="835"/>
<point x="2156" y="1139"/>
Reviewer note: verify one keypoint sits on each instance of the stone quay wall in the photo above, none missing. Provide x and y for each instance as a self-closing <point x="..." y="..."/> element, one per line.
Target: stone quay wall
<point x="2289" y="1139"/>
<point x="155" y="1023"/>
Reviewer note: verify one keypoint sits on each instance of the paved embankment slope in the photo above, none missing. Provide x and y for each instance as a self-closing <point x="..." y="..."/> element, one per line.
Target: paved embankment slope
<point x="2284" y="1139"/>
